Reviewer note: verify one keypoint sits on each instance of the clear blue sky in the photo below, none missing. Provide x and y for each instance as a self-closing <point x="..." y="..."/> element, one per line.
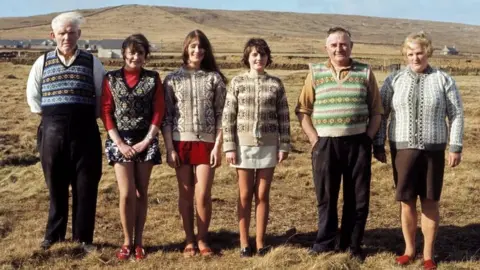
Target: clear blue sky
<point x="462" y="11"/>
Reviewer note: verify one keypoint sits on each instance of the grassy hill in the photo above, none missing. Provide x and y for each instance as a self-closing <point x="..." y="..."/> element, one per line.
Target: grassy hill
<point x="228" y="30"/>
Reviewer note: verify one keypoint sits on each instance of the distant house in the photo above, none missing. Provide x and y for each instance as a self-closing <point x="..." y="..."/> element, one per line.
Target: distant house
<point x="8" y="43"/>
<point x="110" y="48"/>
<point x="449" y="50"/>
<point x="39" y="43"/>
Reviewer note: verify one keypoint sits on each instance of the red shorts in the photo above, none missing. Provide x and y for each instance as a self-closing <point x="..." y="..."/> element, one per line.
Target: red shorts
<point x="193" y="152"/>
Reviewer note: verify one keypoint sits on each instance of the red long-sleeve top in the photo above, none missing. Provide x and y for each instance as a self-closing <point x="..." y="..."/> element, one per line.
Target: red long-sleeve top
<point x="131" y="78"/>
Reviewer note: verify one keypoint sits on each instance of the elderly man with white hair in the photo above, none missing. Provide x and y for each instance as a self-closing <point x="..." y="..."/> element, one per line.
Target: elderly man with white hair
<point x="64" y="87"/>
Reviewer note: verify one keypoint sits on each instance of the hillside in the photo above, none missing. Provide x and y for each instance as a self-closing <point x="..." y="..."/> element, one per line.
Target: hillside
<point x="228" y="30"/>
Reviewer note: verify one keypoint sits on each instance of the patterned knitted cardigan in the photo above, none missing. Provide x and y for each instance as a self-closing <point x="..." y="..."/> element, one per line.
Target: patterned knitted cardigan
<point x="418" y="106"/>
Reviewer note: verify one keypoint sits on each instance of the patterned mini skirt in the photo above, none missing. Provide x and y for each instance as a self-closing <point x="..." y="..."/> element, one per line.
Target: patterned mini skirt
<point x="151" y="153"/>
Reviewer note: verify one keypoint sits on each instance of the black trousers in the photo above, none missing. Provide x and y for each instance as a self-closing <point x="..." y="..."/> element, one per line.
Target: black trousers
<point x="71" y="154"/>
<point x="332" y="158"/>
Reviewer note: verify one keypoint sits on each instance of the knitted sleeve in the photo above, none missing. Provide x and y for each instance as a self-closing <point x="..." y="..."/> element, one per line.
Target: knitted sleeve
<point x="158" y="102"/>
<point x="454" y="115"/>
<point x="283" y="117"/>
<point x="169" y="102"/>
<point x="386" y="94"/>
<point x="219" y="103"/>
<point x="107" y="106"/>
<point x="229" y="121"/>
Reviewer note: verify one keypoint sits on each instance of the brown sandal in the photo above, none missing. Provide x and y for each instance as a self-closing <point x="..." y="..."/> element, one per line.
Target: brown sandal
<point x="206" y="252"/>
<point x="189" y="252"/>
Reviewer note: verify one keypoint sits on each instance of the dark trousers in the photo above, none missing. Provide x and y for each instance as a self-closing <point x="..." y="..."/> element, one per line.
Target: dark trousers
<point x="71" y="154"/>
<point x="332" y="158"/>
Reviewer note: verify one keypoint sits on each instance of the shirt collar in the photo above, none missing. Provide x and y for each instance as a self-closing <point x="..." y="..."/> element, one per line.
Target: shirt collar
<point x="62" y="58"/>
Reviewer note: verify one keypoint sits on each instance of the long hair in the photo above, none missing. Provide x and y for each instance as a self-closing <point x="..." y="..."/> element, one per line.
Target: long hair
<point x="208" y="63"/>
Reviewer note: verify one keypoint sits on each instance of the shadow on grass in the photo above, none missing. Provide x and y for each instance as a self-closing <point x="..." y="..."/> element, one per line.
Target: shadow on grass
<point x="219" y="240"/>
<point x="453" y="243"/>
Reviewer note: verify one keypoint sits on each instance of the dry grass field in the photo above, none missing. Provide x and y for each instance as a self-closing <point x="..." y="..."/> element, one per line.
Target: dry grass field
<point x="292" y="225"/>
<point x="228" y="30"/>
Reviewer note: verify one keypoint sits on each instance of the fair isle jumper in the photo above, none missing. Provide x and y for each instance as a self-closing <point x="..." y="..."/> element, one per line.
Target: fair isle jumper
<point x="340" y="107"/>
<point x="256" y="113"/>
<point x="194" y="102"/>
<point x="133" y="105"/>
<point x="418" y="105"/>
<point x="68" y="89"/>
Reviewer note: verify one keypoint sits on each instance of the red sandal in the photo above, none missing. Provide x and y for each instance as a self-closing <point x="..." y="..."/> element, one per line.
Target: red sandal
<point x="404" y="260"/>
<point x="429" y="265"/>
<point x="124" y="253"/>
<point x="140" y="253"/>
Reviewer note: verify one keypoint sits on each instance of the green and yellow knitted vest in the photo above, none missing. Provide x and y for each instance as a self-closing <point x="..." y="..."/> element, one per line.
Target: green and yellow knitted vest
<point x="340" y="107"/>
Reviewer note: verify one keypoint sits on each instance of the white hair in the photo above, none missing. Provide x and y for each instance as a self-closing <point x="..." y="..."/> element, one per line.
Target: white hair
<point x="73" y="18"/>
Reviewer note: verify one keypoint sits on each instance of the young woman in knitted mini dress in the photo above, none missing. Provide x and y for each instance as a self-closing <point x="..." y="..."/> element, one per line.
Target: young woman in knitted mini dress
<point x="132" y="111"/>
<point x="256" y="132"/>
<point x="195" y="95"/>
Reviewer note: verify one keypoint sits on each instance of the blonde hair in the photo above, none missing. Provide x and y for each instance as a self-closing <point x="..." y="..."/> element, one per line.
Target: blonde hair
<point x="73" y="18"/>
<point x="420" y="38"/>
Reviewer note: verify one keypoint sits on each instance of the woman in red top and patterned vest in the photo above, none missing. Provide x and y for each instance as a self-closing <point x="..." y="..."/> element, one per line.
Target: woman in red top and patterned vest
<point x="194" y="97"/>
<point x="132" y="111"/>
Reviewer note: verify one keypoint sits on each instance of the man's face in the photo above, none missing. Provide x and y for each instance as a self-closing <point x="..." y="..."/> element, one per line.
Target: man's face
<point x="66" y="37"/>
<point x="339" y="47"/>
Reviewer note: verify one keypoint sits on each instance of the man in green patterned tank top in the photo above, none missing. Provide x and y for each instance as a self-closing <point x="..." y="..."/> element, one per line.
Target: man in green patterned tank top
<point x="340" y="110"/>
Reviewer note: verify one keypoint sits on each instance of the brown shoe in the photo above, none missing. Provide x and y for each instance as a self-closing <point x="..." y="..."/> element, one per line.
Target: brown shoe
<point x="206" y="252"/>
<point x="189" y="252"/>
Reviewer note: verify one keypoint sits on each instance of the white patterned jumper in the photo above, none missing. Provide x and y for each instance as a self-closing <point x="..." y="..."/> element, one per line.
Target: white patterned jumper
<point x="418" y="105"/>
<point x="256" y="113"/>
<point x="194" y="102"/>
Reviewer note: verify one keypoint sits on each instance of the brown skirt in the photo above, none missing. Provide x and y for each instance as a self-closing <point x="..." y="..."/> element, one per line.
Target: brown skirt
<point x="418" y="173"/>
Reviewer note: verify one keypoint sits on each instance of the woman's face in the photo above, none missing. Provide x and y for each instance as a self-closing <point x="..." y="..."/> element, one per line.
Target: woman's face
<point x="195" y="52"/>
<point x="257" y="61"/>
<point x="417" y="57"/>
<point x="134" y="60"/>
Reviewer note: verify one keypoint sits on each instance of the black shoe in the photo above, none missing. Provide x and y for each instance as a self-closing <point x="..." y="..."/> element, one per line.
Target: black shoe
<point x="46" y="244"/>
<point x="246" y="252"/>
<point x="315" y="252"/>
<point x="87" y="247"/>
<point x="358" y="253"/>
<point x="263" y="251"/>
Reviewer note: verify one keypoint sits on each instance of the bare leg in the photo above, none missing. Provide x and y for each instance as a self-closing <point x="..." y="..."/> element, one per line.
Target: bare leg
<point x="185" y="201"/>
<point x="246" y="183"/>
<point x="142" y="177"/>
<point x="124" y="173"/>
<point x="430" y="221"/>
<point x="262" y="203"/>
<point x="203" y="198"/>
<point x="409" y="225"/>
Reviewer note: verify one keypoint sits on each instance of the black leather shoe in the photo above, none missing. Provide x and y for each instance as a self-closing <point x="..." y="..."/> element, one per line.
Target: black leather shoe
<point x="358" y="253"/>
<point x="263" y="251"/>
<point x="46" y="244"/>
<point x="246" y="252"/>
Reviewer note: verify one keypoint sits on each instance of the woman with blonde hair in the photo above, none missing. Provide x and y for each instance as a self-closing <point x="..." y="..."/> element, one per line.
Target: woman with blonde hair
<point x="256" y="127"/>
<point x="418" y="99"/>
<point x="195" y="95"/>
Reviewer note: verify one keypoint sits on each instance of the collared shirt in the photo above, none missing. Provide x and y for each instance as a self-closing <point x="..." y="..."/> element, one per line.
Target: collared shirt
<point x="34" y="83"/>
<point x="307" y="95"/>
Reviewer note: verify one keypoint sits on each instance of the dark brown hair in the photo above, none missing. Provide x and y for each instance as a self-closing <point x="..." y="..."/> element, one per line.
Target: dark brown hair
<point x="338" y="29"/>
<point x="208" y="63"/>
<point x="262" y="48"/>
<point x="136" y="43"/>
